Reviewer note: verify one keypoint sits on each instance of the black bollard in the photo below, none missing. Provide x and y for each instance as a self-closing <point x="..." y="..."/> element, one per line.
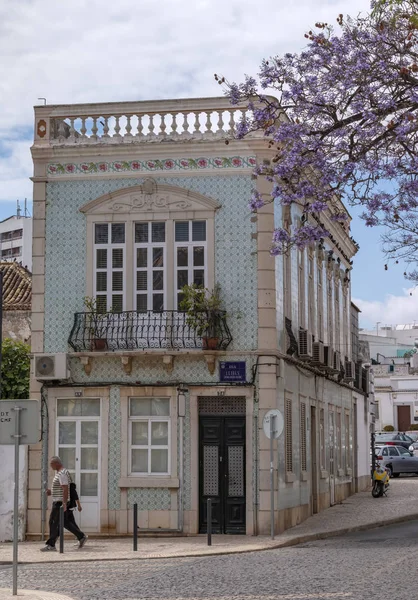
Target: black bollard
<point x="209" y="517"/>
<point x="135" y="527"/>
<point x="61" y="529"/>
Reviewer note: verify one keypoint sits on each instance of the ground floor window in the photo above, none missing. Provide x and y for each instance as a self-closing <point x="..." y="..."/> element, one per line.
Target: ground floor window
<point x="149" y="436"/>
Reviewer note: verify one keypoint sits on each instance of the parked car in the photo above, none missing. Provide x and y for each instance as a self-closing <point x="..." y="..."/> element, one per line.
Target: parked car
<point x="397" y="460"/>
<point x="413" y="435"/>
<point x="393" y="438"/>
<point x="414" y="448"/>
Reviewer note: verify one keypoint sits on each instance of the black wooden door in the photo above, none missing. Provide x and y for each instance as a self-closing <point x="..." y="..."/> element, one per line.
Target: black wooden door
<point x="222" y="473"/>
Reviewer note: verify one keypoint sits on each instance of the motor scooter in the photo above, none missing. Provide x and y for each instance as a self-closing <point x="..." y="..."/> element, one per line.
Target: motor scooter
<point x="380" y="481"/>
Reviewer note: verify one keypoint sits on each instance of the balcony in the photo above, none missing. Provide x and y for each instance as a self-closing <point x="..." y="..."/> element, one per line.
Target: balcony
<point x="131" y="330"/>
<point x="154" y="121"/>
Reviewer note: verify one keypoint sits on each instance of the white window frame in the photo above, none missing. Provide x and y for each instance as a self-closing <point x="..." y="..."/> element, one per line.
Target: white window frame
<point x="109" y="247"/>
<point x="190" y="245"/>
<point x="149" y="419"/>
<point x="149" y="246"/>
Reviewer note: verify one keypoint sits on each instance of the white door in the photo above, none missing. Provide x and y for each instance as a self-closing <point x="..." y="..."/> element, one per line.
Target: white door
<point x="331" y="458"/>
<point x="78" y="446"/>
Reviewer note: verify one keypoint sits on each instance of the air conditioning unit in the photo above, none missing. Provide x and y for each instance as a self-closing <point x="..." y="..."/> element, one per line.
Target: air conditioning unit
<point x="47" y="367"/>
<point x="318" y="353"/>
<point x="329" y="358"/>
<point x="305" y="344"/>
<point x="337" y="361"/>
<point x="350" y="370"/>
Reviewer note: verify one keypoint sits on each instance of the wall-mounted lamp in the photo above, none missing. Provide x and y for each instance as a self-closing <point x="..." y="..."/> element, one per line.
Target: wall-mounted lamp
<point x="181" y="402"/>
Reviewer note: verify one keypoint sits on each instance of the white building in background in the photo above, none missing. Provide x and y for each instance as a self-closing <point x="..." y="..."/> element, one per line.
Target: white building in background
<point x="395" y="374"/>
<point x="16" y="240"/>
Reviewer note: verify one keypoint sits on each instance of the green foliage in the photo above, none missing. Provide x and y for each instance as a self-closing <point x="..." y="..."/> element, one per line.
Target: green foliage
<point x="15" y="370"/>
<point x="203" y="309"/>
<point x="388" y="428"/>
<point x="413" y="427"/>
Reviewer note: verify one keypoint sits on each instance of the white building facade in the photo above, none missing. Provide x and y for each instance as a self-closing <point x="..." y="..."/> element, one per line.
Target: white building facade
<point x="16" y="240"/>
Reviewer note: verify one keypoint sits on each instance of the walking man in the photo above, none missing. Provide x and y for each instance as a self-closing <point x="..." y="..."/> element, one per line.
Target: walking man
<point x="60" y="492"/>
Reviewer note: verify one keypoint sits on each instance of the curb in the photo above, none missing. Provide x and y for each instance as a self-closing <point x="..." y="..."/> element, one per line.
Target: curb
<point x="301" y="539"/>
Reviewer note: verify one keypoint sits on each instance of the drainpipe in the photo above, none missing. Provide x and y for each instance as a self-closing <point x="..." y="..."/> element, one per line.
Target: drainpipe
<point x="181" y="407"/>
<point x="44" y="466"/>
<point x="255" y="505"/>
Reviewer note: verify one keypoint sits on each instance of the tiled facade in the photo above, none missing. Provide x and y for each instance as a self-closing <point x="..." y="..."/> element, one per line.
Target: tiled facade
<point x="70" y="174"/>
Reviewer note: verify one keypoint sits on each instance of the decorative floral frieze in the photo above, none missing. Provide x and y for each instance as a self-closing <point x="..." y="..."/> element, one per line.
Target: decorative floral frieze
<point x="169" y="164"/>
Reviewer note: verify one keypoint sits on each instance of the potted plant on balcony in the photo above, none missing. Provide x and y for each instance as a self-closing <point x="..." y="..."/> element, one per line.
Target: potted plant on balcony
<point x="204" y="313"/>
<point x="96" y="324"/>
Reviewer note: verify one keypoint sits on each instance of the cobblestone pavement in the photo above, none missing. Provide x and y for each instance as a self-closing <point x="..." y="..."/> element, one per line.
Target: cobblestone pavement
<point x="360" y="510"/>
<point x="371" y="565"/>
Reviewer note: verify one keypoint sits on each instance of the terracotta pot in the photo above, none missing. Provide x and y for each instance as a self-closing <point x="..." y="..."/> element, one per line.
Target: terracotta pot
<point x="99" y="344"/>
<point x="210" y="343"/>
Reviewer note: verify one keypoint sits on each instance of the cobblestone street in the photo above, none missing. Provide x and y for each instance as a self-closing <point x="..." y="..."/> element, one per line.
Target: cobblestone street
<point x="377" y="564"/>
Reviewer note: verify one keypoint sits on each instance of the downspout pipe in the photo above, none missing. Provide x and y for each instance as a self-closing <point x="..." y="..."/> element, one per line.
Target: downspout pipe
<point x="44" y="466"/>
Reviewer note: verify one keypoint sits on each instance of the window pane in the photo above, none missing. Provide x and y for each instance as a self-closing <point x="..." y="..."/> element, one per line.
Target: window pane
<point x="89" y="459"/>
<point x="68" y="408"/>
<point x="67" y="455"/>
<point x="117" y="258"/>
<point x="199" y="231"/>
<point x="182" y="279"/>
<point x="118" y="233"/>
<point x="90" y="407"/>
<point x="159" y="461"/>
<point x="140" y="407"/>
<point x="101" y="258"/>
<point x="101" y="233"/>
<point x="182" y="231"/>
<point x="66" y="433"/>
<point x="89" y="432"/>
<point x="139" y="461"/>
<point x="160" y="407"/>
<point x="158" y="232"/>
<point x="159" y="434"/>
<point x="157" y="280"/>
<point x="117" y="281"/>
<point x="141" y="280"/>
<point x="117" y="303"/>
<point x="198" y="256"/>
<point x="101" y="303"/>
<point x="141" y="302"/>
<point x="141" y="257"/>
<point x="101" y="281"/>
<point x="182" y="257"/>
<point x="141" y="233"/>
<point x="199" y="277"/>
<point x="88" y="484"/>
<point x="157" y="257"/>
<point x="180" y="298"/>
<point x="158" y="302"/>
<point x="140" y="433"/>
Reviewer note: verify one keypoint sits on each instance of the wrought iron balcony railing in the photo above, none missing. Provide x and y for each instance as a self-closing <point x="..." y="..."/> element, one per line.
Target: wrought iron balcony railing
<point x="131" y="330"/>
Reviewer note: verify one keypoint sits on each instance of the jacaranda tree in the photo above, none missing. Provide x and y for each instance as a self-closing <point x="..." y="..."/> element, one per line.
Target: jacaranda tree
<point x="342" y="118"/>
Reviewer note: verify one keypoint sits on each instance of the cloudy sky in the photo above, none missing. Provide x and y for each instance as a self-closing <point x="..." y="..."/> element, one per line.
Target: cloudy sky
<point x="98" y="51"/>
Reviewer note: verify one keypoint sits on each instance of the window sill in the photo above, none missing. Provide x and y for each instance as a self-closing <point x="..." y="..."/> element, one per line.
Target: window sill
<point x="290" y="477"/>
<point x="149" y="482"/>
<point x="324" y="474"/>
<point x="304" y="476"/>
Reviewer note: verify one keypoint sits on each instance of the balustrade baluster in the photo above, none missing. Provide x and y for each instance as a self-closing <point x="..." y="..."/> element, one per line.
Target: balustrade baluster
<point x="208" y="122"/>
<point x="94" y="129"/>
<point x="105" y="127"/>
<point x="174" y="124"/>
<point x="220" y="121"/>
<point x="197" y="123"/>
<point x="151" y="126"/>
<point x="72" y="128"/>
<point x="83" y="129"/>
<point x="185" y="125"/>
<point x="117" y="128"/>
<point x="232" y="120"/>
<point x="163" y="126"/>
<point x="140" y="127"/>
<point x="128" y="127"/>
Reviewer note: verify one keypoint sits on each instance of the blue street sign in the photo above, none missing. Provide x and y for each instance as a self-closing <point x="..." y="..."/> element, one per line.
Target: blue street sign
<point x="232" y="371"/>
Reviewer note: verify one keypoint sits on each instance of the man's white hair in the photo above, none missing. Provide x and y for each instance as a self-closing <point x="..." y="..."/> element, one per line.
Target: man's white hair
<point x="56" y="459"/>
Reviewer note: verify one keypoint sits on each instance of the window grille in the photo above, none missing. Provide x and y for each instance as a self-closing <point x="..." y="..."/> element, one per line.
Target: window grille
<point x="288" y="436"/>
<point x="303" y="461"/>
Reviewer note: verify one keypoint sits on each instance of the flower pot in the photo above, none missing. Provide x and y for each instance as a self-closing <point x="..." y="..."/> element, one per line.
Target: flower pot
<point x="210" y="343"/>
<point x="99" y="344"/>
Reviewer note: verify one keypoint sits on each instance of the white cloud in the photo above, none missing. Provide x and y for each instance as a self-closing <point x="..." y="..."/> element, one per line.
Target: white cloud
<point x="77" y="51"/>
<point x="392" y="310"/>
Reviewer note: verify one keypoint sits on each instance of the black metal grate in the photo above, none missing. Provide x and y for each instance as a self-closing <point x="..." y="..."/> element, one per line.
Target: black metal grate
<point x="221" y="405"/>
<point x="293" y="345"/>
<point x="132" y="330"/>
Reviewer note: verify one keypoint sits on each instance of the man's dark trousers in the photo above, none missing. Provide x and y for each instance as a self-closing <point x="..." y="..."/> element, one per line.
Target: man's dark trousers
<point x="54" y="525"/>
